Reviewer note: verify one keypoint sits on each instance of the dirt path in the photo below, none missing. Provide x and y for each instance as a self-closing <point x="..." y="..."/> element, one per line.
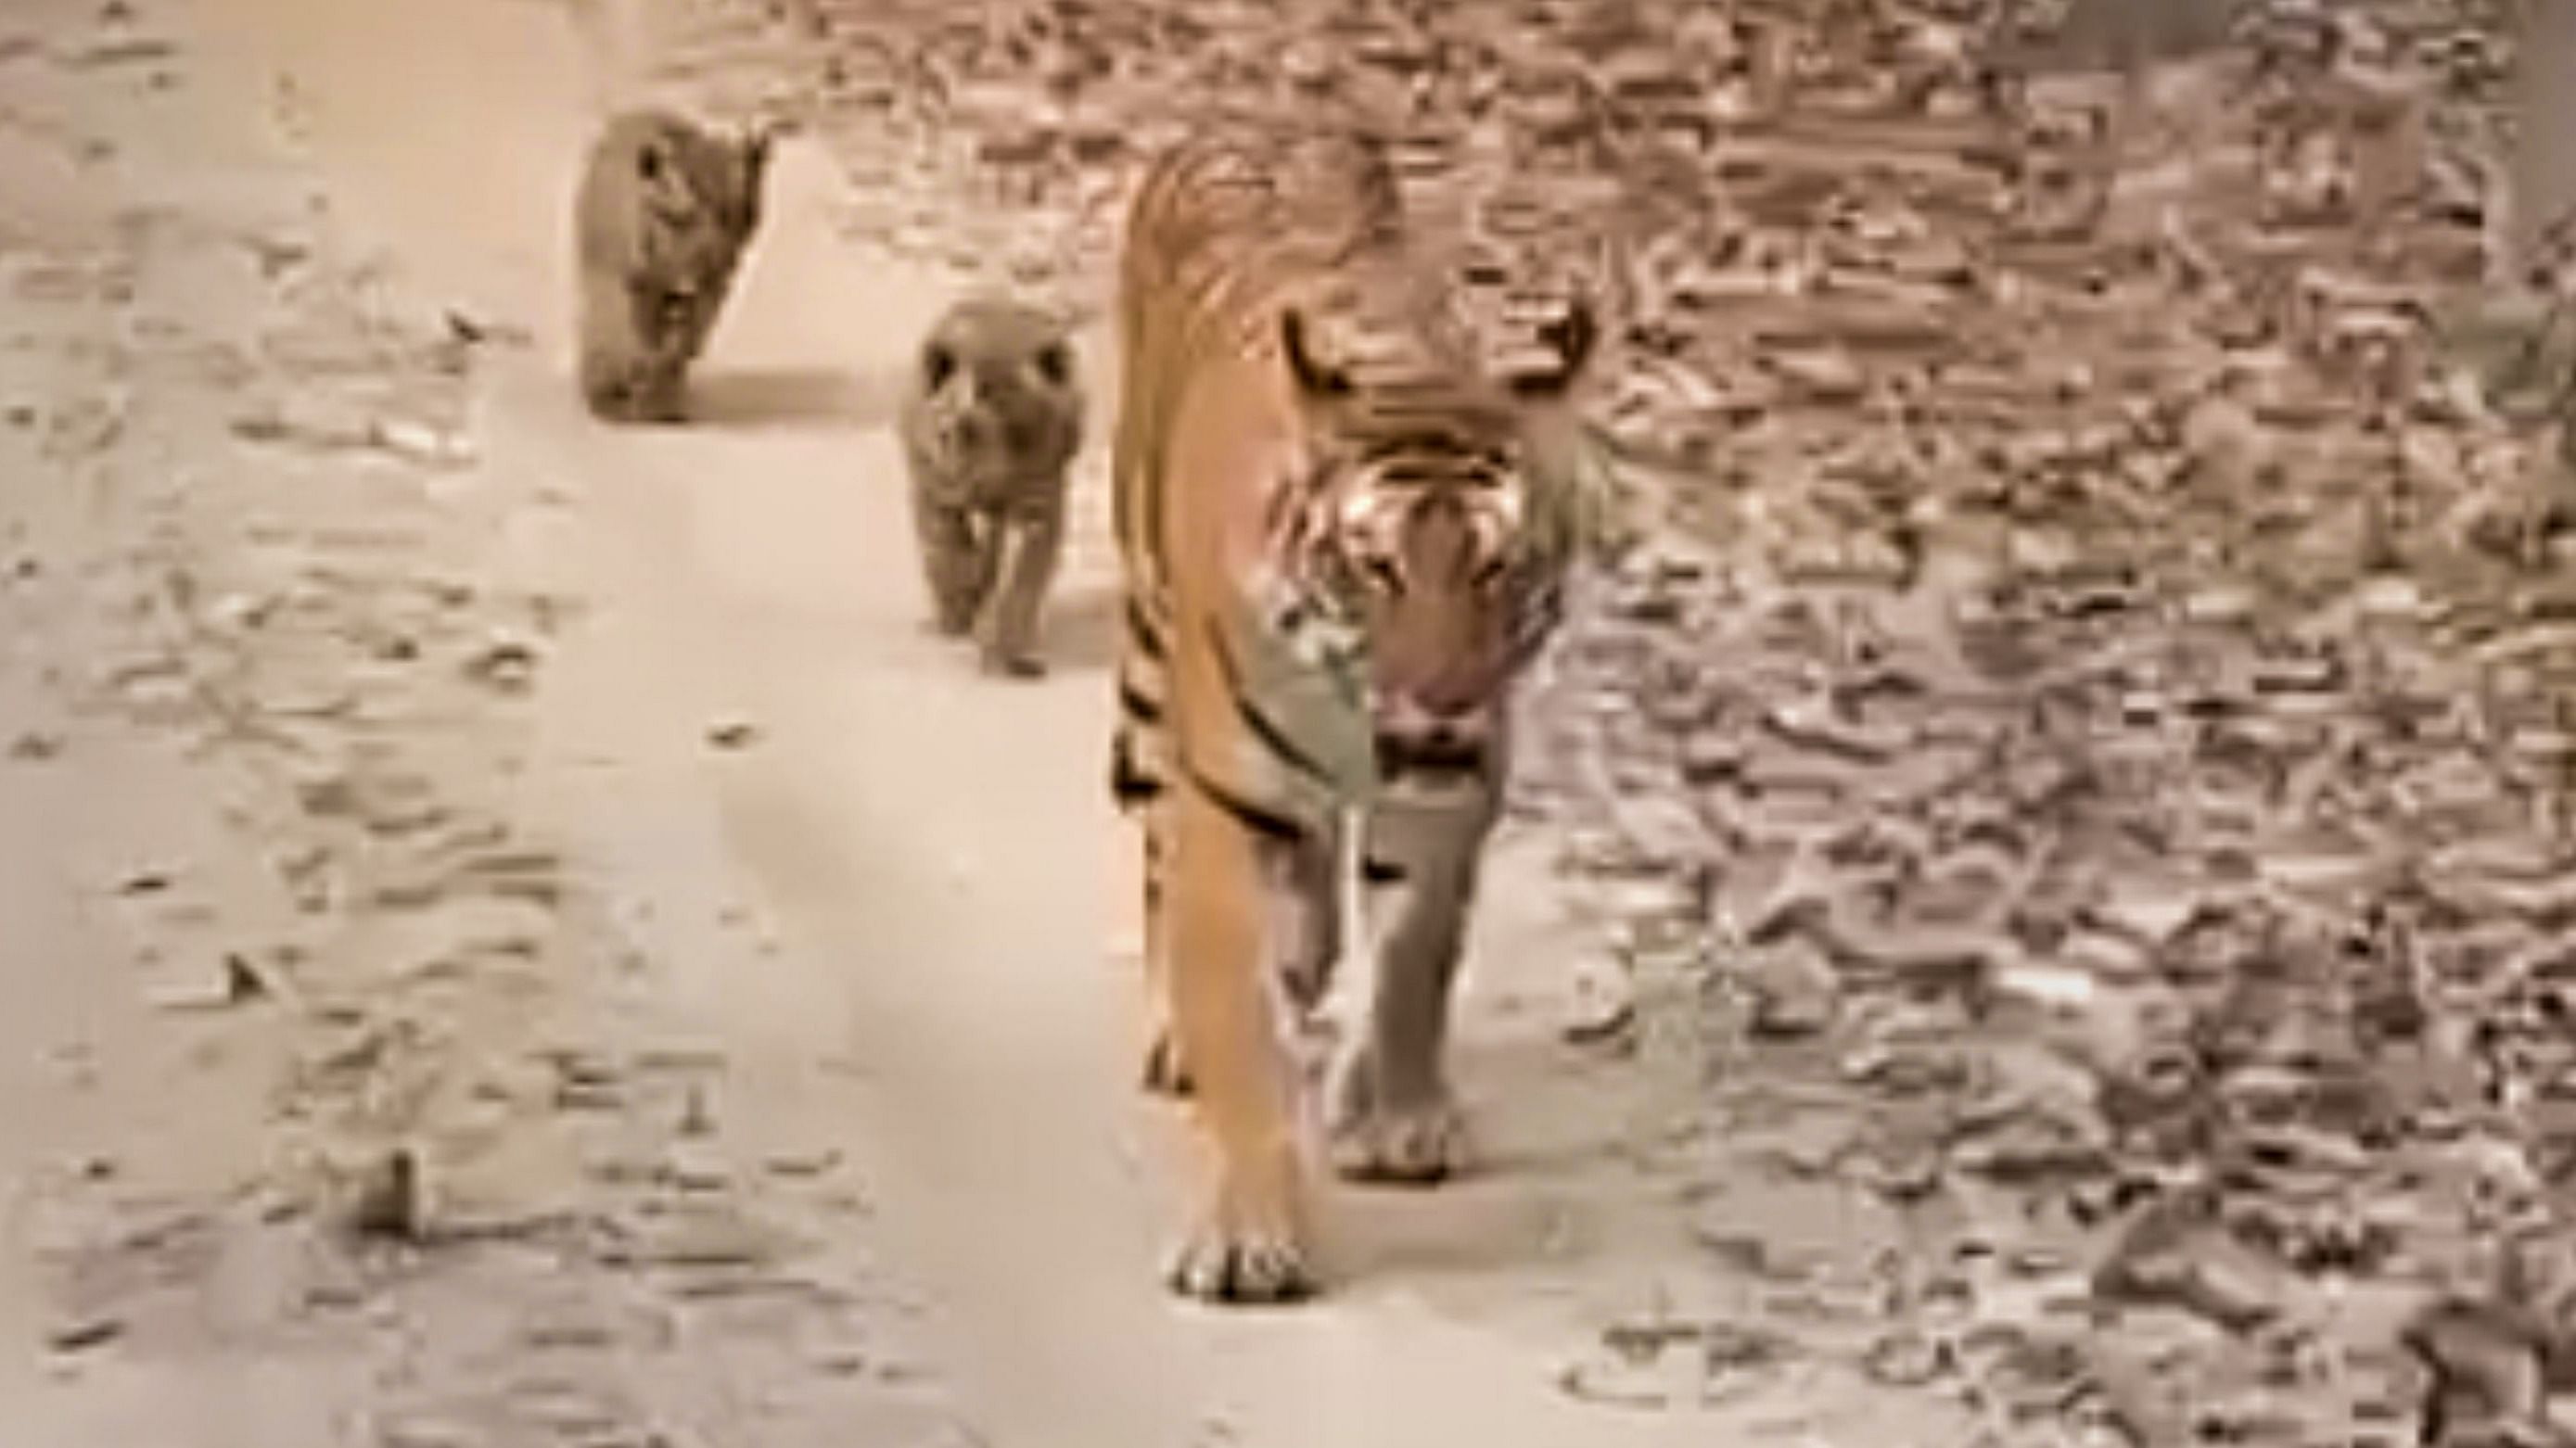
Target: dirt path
<point x="512" y="935"/>
<point x="934" y="862"/>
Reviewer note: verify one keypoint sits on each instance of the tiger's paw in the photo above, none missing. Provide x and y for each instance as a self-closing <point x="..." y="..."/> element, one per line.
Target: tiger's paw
<point x="1242" y="1259"/>
<point x="657" y="395"/>
<point x="1009" y="664"/>
<point x="1394" y="1142"/>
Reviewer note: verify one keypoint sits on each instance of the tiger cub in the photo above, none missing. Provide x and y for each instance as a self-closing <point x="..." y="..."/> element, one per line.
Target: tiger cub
<point x="663" y="214"/>
<point x="990" y="420"/>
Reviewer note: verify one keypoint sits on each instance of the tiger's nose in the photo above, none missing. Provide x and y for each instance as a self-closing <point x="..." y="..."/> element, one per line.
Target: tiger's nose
<point x="1436" y="733"/>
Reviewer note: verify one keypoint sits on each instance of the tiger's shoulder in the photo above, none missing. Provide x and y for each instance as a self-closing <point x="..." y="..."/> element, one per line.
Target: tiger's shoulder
<point x="1235" y="213"/>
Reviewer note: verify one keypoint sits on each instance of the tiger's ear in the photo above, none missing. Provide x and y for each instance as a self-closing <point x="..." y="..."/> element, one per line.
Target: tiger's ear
<point x="1572" y="338"/>
<point x="1317" y="381"/>
<point x="1054" y="363"/>
<point x="938" y="364"/>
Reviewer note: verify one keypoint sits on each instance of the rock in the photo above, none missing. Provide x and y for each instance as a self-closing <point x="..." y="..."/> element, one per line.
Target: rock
<point x="505" y="663"/>
<point x="390" y="1200"/>
<point x="1795" y="991"/>
<point x="82" y="1334"/>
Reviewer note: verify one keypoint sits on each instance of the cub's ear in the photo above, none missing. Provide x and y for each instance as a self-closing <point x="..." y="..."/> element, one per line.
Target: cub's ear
<point x="756" y="146"/>
<point x="1572" y="337"/>
<point x="1316" y="380"/>
<point x="938" y="364"/>
<point x="1054" y="363"/>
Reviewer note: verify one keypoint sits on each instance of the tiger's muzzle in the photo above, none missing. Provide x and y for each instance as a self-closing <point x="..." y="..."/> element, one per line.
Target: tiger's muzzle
<point x="1424" y="744"/>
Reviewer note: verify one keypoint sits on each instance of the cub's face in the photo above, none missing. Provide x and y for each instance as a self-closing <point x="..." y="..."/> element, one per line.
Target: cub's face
<point x="700" y="194"/>
<point x="997" y="389"/>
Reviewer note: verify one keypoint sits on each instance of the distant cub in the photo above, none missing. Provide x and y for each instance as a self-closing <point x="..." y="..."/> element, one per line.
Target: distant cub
<point x="991" y="419"/>
<point x="660" y="223"/>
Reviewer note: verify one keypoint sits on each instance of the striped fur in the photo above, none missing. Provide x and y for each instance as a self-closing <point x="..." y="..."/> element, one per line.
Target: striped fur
<point x="663" y="214"/>
<point x="1340" y="541"/>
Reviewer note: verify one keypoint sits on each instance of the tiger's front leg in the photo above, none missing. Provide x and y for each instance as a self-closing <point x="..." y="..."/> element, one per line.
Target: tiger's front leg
<point x="1394" y="1118"/>
<point x="1306" y="898"/>
<point x="1249" y="1242"/>
<point x="662" y="321"/>
<point x="957" y="556"/>
<point x="1033" y="537"/>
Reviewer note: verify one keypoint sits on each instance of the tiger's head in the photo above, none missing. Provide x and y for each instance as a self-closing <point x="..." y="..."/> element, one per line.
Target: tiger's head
<point x="997" y="390"/>
<point x="1436" y="525"/>
<point x="699" y="198"/>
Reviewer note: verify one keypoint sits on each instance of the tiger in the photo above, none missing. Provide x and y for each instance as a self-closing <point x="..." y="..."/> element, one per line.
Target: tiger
<point x="663" y="214"/>
<point x="1340" y="538"/>
<point x="990" y="421"/>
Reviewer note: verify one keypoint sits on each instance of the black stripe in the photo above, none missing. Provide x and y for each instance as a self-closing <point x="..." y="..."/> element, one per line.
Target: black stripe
<point x="1262" y="821"/>
<point x="1130" y="789"/>
<point x="1130" y="786"/>
<point x="1263" y="727"/>
<point x="1137" y="707"/>
<point x="1141" y="630"/>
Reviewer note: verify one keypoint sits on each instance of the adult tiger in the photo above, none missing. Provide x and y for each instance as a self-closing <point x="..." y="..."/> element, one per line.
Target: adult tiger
<point x="1340" y="538"/>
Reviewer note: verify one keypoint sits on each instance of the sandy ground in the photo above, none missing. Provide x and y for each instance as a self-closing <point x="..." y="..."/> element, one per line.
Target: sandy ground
<point x="737" y="966"/>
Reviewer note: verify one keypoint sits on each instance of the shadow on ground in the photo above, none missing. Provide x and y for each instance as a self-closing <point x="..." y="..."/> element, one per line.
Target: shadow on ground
<point x="760" y="397"/>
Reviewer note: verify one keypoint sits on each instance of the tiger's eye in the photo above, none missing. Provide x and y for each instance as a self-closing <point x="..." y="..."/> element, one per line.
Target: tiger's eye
<point x="938" y="364"/>
<point x="1054" y="364"/>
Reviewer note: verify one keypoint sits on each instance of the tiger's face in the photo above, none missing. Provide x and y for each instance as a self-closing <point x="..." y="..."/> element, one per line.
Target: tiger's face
<point x="1429" y="538"/>
<point x="998" y="392"/>
<point x="700" y="195"/>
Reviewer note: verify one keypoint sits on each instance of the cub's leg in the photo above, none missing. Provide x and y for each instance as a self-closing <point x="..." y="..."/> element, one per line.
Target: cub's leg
<point x="662" y="318"/>
<point x="609" y="351"/>
<point x="661" y="394"/>
<point x="1034" y="536"/>
<point x="1249" y="1241"/>
<point x="957" y="556"/>
<point x="1394" y="1119"/>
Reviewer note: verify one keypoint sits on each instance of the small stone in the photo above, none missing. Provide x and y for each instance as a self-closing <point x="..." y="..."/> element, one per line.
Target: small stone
<point x="390" y="1202"/>
<point x="36" y="745"/>
<point x="732" y="733"/>
<point x="85" y="1333"/>
<point x="1604" y="1010"/>
<point x="1795" y="992"/>
<point x="419" y="443"/>
<point x="803" y="1164"/>
<point x="243" y="981"/>
<point x="1906" y="1358"/>
<point x="506" y="664"/>
<point x="697" y="1118"/>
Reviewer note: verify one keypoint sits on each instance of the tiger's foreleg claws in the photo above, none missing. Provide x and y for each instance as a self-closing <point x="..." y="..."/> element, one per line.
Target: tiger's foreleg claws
<point x="1239" y="1263"/>
<point x="1387" y="1139"/>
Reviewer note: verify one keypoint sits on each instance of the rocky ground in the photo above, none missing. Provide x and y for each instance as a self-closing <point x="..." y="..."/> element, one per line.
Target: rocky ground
<point x="2067" y="818"/>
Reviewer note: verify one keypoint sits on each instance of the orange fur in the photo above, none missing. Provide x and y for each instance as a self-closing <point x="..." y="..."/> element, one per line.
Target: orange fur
<point x="1334" y="559"/>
